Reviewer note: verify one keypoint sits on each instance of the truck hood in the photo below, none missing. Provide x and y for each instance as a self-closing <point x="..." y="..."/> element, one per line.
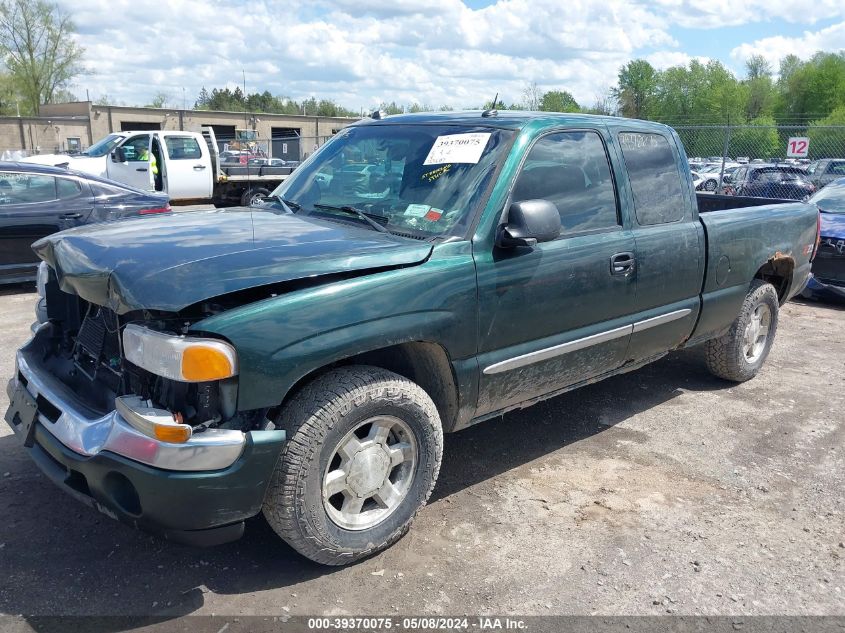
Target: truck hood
<point x="95" y="165"/>
<point x="171" y="262"/>
<point x="833" y="225"/>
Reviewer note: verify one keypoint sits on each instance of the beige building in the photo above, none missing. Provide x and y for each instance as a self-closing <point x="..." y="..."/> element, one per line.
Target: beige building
<point x="69" y="127"/>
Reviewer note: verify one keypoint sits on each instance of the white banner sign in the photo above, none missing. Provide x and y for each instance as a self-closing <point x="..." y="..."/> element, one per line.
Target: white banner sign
<point x="797" y="147"/>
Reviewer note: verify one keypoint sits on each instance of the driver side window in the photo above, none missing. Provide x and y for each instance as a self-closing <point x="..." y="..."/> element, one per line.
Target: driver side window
<point x="571" y="169"/>
<point x="137" y="148"/>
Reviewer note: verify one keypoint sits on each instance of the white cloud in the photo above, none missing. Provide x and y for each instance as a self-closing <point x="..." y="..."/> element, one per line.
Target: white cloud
<point x="361" y="52"/>
<point x="711" y="14"/>
<point x="666" y="59"/>
<point x="776" y="48"/>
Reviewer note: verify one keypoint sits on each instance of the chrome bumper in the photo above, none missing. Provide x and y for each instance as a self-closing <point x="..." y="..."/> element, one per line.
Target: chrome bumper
<point x="213" y="449"/>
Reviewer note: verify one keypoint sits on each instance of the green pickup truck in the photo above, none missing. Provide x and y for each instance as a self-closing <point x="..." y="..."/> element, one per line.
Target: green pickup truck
<point x="417" y="275"/>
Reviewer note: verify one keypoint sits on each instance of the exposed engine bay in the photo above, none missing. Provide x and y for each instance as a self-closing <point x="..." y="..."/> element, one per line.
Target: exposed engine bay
<point x="86" y="353"/>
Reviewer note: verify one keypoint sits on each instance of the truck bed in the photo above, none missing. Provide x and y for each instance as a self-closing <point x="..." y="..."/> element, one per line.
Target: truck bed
<point x="718" y="202"/>
<point x="747" y="238"/>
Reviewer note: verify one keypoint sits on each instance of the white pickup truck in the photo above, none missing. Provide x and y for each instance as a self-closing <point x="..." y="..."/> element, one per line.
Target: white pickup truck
<point x="189" y="167"/>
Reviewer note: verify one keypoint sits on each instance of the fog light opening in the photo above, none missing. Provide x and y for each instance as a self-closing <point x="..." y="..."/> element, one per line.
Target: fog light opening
<point x="121" y="491"/>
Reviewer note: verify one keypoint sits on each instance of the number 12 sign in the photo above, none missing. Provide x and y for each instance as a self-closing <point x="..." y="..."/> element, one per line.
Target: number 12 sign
<point x="797" y="147"/>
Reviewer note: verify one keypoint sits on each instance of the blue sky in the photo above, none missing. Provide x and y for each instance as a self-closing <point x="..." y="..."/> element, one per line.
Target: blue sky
<point x="433" y="52"/>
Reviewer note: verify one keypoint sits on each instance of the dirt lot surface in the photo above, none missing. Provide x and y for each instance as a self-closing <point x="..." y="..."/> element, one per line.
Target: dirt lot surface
<point x="664" y="490"/>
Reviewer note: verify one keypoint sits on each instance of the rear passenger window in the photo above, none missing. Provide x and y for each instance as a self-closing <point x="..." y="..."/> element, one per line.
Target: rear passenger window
<point x="571" y="170"/>
<point x="23" y="188"/>
<point x="67" y="188"/>
<point x="182" y="148"/>
<point x="655" y="179"/>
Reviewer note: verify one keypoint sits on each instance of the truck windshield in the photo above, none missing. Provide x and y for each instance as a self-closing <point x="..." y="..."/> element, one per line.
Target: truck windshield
<point x="103" y="146"/>
<point x="425" y="180"/>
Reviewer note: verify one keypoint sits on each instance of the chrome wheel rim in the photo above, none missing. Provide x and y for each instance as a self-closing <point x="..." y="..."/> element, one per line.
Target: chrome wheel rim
<point x="757" y="333"/>
<point x="256" y="200"/>
<point x="370" y="473"/>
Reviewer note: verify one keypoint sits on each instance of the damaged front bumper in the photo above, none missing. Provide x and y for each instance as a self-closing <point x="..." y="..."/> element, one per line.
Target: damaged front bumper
<point x="198" y="492"/>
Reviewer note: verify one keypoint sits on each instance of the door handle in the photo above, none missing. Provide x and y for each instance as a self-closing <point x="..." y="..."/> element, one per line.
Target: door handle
<point x="623" y="264"/>
<point x="70" y="216"/>
<point x="141" y="169"/>
<point x="199" y="167"/>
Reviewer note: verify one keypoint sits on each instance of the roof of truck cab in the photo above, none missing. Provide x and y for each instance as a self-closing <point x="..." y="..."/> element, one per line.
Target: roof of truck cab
<point x="505" y="119"/>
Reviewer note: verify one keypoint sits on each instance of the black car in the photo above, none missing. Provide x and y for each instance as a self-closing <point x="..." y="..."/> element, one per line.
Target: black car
<point x="37" y="200"/>
<point x="772" y="181"/>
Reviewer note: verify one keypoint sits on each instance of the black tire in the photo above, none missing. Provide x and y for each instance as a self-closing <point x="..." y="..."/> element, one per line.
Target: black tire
<point x="725" y="356"/>
<point x="249" y="194"/>
<point x="710" y="185"/>
<point x="316" y="419"/>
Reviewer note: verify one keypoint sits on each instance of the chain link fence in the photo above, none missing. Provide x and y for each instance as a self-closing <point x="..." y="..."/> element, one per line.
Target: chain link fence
<point x="787" y="161"/>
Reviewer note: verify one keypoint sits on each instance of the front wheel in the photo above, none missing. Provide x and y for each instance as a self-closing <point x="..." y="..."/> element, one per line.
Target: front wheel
<point x="362" y="455"/>
<point x="738" y="355"/>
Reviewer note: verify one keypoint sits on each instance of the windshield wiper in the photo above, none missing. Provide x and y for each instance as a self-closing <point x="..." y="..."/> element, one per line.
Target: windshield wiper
<point x="287" y="205"/>
<point x="368" y="218"/>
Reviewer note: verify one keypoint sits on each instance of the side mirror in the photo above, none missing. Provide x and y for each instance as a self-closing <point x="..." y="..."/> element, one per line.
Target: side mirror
<point x="118" y="155"/>
<point x="529" y="222"/>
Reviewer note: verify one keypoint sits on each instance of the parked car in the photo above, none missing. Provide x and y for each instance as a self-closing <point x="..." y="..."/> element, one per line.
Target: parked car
<point x="305" y="358"/>
<point x="828" y="275"/>
<point x="771" y="181"/>
<point x="697" y="179"/>
<point x="234" y="157"/>
<point x="271" y="162"/>
<point x="710" y="176"/>
<point x="822" y="172"/>
<point x="36" y="201"/>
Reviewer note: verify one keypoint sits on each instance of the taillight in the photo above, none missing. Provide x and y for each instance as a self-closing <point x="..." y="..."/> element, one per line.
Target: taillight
<point x="165" y="209"/>
<point x="818" y="235"/>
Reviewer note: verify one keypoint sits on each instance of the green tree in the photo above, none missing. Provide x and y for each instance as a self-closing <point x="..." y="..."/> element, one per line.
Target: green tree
<point x="760" y="140"/>
<point x="9" y="96"/>
<point x="559" y="101"/>
<point x="38" y="49"/>
<point x="159" y="100"/>
<point x="531" y="97"/>
<point x="760" y="88"/>
<point x="827" y="142"/>
<point x="810" y="90"/>
<point x="203" y="100"/>
<point x="603" y="104"/>
<point x="636" y="88"/>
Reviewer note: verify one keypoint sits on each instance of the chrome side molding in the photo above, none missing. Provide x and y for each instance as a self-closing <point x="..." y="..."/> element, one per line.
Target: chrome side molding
<point x="573" y="346"/>
<point x="558" y="350"/>
<point x="639" y="326"/>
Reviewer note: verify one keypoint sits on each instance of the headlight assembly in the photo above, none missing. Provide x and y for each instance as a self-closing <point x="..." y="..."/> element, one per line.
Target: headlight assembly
<point x="180" y="358"/>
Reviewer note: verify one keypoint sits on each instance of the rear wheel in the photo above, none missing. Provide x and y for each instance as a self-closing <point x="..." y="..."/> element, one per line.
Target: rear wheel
<point x="739" y="354"/>
<point x="254" y="196"/>
<point x="362" y="455"/>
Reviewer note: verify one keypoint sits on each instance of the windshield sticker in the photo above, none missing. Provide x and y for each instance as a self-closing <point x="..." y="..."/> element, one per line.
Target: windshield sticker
<point x="433" y="214"/>
<point x="458" y="148"/>
<point x="434" y="174"/>
<point x="417" y="210"/>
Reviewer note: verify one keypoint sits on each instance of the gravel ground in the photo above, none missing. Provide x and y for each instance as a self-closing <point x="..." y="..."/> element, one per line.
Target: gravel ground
<point x="664" y="490"/>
